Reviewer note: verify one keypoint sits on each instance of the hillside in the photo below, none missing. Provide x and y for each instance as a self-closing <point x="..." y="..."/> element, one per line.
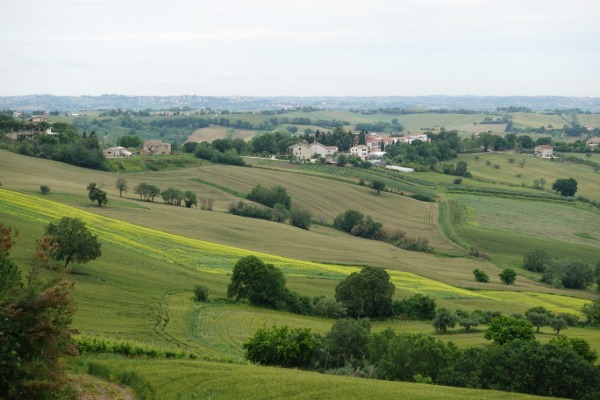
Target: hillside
<point x="153" y="254"/>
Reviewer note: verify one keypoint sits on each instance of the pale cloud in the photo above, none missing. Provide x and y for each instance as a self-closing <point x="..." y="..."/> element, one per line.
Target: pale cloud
<point x="309" y="47"/>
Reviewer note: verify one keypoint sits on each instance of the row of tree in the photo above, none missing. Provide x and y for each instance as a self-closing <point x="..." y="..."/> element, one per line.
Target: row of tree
<point x="357" y="224"/>
<point x="568" y="273"/>
<point x="515" y="361"/>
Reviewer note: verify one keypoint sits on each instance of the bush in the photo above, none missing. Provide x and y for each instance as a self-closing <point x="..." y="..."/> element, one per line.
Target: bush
<point x="417" y="307"/>
<point x="481" y="276"/>
<point x="536" y="260"/>
<point x="270" y="196"/>
<point x="201" y="293"/>
<point x="423" y="197"/>
<point x="45" y="189"/>
<point x="281" y="347"/>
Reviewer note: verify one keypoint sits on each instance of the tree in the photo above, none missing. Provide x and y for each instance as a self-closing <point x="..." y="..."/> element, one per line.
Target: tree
<point x="45" y="189"/>
<point x="443" y="320"/>
<point x="592" y="311"/>
<point x="190" y="199"/>
<point x="566" y="187"/>
<point x="300" y="217"/>
<point x="367" y="293"/>
<point x="537" y="319"/>
<point x="536" y="260"/>
<point x="481" y="276"/>
<point x="346" y="342"/>
<point x="96" y="194"/>
<point x="262" y="284"/>
<point x="417" y="307"/>
<point x="558" y="324"/>
<point x="281" y="346"/>
<point x="508" y="276"/>
<point x="35" y="333"/>
<point x="348" y="220"/>
<point x="201" y="293"/>
<point x="74" y="242"/>
<point x="504" y="329"/>
<point x="378" y="185"/>
<point x="121" y="185"/>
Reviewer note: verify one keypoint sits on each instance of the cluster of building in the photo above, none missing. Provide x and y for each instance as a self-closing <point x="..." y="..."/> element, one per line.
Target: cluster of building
<point x="372" y="149"/>
<point x="149" y="147"/>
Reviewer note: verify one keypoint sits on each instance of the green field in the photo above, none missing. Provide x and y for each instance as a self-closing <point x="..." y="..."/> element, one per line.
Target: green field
<point x="154" y="254"/>
<point x="200" y="379"/>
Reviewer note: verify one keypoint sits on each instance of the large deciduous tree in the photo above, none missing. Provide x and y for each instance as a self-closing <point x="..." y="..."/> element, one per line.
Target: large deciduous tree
<point x="504" y="329"/>
<point x="74" y="242"/>
<point x="262" y="284"/>
<point x="566" y="186"/>
<point x="367" y="293"/>
<point x="96" y="194"/>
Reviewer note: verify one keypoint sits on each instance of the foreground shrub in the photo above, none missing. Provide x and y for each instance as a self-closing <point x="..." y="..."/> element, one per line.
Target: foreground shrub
<point x="417" y="307"/>
<point x="281" y="346"/>
<point x="201" y="293"/>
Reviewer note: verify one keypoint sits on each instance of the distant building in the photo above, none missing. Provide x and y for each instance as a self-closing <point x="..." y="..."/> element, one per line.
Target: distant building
<point x="544" y="151"/>
<point x="301" y="150"/>
<point x="361" y="151"/>
<point x="593" y="143"/>
<point x="322" y="150"/>
<point x="114" y="152"/>
<point x="35" y="120"/>
<point x="304" y="151"/>
<point x="400" y="169"/>
<point x="156" y="147"/>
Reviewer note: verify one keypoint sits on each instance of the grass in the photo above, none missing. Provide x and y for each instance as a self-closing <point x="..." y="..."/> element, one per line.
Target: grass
<point x="534" y="168"/>
<point x="140" y="163"/>
<point x="167" y="380"/>
<point x="153" y="254"/>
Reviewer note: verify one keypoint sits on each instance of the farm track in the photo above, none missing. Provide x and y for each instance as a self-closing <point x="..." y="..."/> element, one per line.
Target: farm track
<point x="163" y="318"/>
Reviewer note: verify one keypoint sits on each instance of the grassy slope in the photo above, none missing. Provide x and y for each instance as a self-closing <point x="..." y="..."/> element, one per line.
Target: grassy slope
<point x="535" y="168"/>
<point x="142" y="285"/>
<point x="183" y="379"/>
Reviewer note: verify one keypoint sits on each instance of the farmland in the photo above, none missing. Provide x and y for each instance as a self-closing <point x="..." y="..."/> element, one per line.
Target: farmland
<point x="153" y="254"/>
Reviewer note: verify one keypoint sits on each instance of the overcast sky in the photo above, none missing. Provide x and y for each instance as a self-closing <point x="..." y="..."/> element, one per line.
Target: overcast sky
<point x="300" y="48"/>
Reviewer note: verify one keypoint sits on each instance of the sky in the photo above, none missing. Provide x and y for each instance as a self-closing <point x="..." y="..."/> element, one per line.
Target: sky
<point x="300" y="48"/>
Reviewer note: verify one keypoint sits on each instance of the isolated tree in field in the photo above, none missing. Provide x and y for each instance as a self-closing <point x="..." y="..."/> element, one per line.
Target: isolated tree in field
<point x="481" y="276"/>
<point x="96" y="194"/>
<point x="74" y="241"/>
<point x="121" y="185"/>
<point x="378" y="185"/>
<point x="504" y="329"/>
<point x="443" y="320"/>
<point x="566" y="187"/>
<point x="367" y="293"/>
<point x="262" y="284"/>
<point x="508" y="276"/>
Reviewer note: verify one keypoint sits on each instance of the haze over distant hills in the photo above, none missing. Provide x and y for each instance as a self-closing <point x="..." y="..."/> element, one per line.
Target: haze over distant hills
<point x="47" y="102"/>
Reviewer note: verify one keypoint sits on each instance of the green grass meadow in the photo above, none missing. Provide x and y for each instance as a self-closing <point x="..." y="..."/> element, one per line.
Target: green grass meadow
<point x="141" y="288"/>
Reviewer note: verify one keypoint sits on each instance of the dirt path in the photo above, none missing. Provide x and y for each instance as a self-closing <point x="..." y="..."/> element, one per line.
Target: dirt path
<point x="93" y="388"/>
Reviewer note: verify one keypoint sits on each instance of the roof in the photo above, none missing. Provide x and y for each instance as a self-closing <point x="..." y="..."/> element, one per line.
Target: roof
<point x="545" y="146"/>
<point x="154" y="143"/>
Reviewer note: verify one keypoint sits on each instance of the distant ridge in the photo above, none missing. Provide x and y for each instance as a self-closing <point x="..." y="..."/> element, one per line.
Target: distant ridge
<point x="46" y="102"/>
